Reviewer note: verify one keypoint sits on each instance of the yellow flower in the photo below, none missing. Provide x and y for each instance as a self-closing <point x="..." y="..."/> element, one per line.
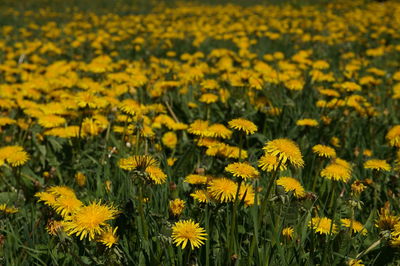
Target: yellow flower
<point x="287" y="233"/>
<point x="199" y="127"/>
<point x="14" y="155"/>
<point x="200" y="195"/>
<point x="323" y="225"/>
<point x="270" y="163"/>
<point x="156" y="174"/>
<point x="243" y="170"/>
<point x="108" y="237"/>
<point x="243" y="125"/>
<point x="208" y="98"/>
<point x="339" y="171"/>
<point x="222" y="189"/>
<point x="355" y="262"/>
<point x="393" y="136"/>
<point x="137" y="162"/>
<point x="188" y="231"/>
<point x="80" y="179"/>
<point x="219" y="131"/>
<point x="54" y="227"/>
<point x="176" y="206"/>
<point x="357" y="187"/>
<point x="378" y="165"/>
<point x="307" y="122"/>
<point x="324" y="151"/>
<point x="8" y="210"/>
<point x="89" y="220"/>
<point x="246" y="194"/>
<point x="356" y="226"/>
<point x="196" y="179"/>
<point x="285" y="150"/>
<point x="291" y="184"/>
<point x="49" y="121"/>
<point x="170" y="139"/>
<point x="386" y="220"/>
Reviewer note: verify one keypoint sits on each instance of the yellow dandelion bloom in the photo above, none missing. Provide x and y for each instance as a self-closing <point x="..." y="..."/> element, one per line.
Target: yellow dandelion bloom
<point x="243" y="170"/>
<point x="222" y="189"/>
<point x="80" y="179"/>
<point x="355" y="226"/>
<point x="170" y="139"/>
<point x="176" y="206"/>
<point x="48" y="198"/>
<point x="200" y="195"/>
<point x="270" y="163"/>
<point x="196" y="179"/>
<point x="137" y="162"/>
<point x="108" y="237"/>
<point x="156" y="174"/>
<point x="393" y="136"/>
<point x="355" y="262"/>
<point x="336" y="171"/>
<point x="287" y="233"/>
<point x="8" y="210"/>
<point x="219" y="131"/>
<point x="285" y="150"/>
<point x="50" y="121"/>
<point x="386" y="220"/>
<point x="13" y="155"/>
<point x="89" y="220"/>
<point x="171" y="161"/>
<point x="54" y="227"/>
<point x="208" y="98"/>
<point x="291" y="184"/>
<point x="199" y="128"/>
<point x="324" y="151"/>
<point x="188" y="231"/>
<point x="243" y="125"/>
<point x="323" y="225"/>
<point x="307" y="122"/>
<point x="357" y="187"/>
<point x="378" y="165"/>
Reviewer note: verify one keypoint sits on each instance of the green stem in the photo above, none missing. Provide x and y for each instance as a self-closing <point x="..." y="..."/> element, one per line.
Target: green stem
<point x="141" y="212"/>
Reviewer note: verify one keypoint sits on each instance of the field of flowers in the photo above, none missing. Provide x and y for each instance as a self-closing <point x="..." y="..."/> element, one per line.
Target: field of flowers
<point x="193" y="134"/>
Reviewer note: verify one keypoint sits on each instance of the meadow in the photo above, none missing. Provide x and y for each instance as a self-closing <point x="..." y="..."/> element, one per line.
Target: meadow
<point x="188" y="133"/>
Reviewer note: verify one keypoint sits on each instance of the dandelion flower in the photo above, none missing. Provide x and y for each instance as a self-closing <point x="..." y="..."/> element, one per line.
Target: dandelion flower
<point x="355" y="262"/>
<point x="9" y="210"/>
<point x="89" y="220"/>
<point x="199" y="128"/>
<point x="156" y="174"/>
<point x="14" y="155"/>
<point x="243" y="125"/>
<point x="246" y="194"/>
<point x="219" y="131"/>
<point x="188" y="231"/>
<point x="243" y="170"/>
<point x="393" y="136"/>
<point x="176" y="206"/>
<point x="270" y="163"/>
<point x="285" y="150"/>
<point x="137" y="162"/>
<point x="196" y="179"/>
<point x="222" y="189"/>
<point x="200" y="195"/>
<point x="378" y="165"/>
<point x="356" y="226"/>
<point x="357" y="187"/>
<point x="324" y="151"/>
<point x="323" y="225"/>
<point x="337" y="171"/>
<point x="287" y="233"/>
<point x="170" y="140"/>
<point x="208" y="98"/>
<point x="291" y="184"/>
<point x="386" y="220"/>
<point x="50" y="121"/>
<point x="108" y="237"/>
<point x="80" y="179"/>
<point x="307" y="122"/>
<point x="54" y="227"/>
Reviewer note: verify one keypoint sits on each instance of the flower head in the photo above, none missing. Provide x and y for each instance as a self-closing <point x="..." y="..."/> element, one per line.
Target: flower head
<point x="355" y="226"/>
<point x="393" y="136"/>
<point x="323" y="225"/>
<point x="324" y="151"/>
<point x="307" y="122"/>
<point x="108" y="237"/>
<point x="378" y="165"/>
<point x="243" y="170"/>
<point x="287" y="233"/>
<point x="188" y="231"/>
<point x="339" y="171"/>
<point x="89" y="220"/>
<point x="285" y="150"/>
<point x="176" y="206"/>
<point x="243" y="125"/>
<point x="270" y="163"/>
<point x="291" y="184"/>
<point x="222" y="189"/>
